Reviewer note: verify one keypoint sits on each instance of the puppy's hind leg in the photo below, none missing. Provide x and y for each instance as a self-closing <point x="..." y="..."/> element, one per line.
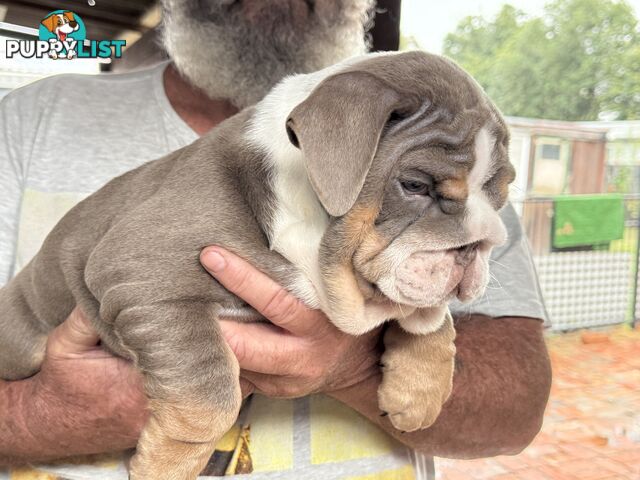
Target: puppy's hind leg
<point x="192" y="380"/>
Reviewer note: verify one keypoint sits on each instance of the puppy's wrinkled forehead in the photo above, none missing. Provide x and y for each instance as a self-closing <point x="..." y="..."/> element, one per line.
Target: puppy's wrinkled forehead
<point x="442" y="108"/>
<point x="419" y="76"/>
<point x="371" y="112"/>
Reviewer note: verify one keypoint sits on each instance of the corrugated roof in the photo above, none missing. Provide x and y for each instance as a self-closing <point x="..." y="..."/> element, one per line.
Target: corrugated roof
<point x="108" y="19"/>
<point x="596" y="130"/>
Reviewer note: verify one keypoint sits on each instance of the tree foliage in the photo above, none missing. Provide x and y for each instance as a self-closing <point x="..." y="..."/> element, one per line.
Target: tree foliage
<point x="579" y="61"/>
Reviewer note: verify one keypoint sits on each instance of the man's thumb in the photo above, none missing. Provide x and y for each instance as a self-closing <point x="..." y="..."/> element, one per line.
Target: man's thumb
<point x="74" y="336"/>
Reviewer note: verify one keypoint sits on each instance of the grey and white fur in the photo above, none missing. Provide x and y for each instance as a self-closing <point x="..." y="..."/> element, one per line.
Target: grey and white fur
<point x="370" y="189"/>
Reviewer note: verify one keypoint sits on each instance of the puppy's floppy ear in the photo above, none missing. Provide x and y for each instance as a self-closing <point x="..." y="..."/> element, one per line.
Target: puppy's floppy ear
<point x="50" y="22"/>
<point x="338" y="128"/>
<point x="69" y="16"/>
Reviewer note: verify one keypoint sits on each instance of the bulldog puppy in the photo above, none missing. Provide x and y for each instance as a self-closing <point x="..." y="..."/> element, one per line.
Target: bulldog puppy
<point x="369" y="189"/>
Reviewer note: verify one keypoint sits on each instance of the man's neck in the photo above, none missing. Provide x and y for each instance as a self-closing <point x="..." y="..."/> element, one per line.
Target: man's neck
<point x="199" y="111"/>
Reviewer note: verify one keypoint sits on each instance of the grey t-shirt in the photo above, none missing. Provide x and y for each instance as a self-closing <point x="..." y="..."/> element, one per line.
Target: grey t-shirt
<point x="64" y="137"/>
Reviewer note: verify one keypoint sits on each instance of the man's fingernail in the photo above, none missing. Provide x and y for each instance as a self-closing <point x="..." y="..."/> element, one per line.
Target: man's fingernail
<point x="214" y="261"/>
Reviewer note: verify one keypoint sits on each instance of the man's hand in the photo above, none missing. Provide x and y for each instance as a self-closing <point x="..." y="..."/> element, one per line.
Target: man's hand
<point x="501" y="385"/>
<point x="83" y="400"/>
<point x="301" y="352"/>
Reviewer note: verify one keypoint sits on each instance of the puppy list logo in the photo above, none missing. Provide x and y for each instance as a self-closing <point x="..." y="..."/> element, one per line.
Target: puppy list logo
<point x="62" y="35"/>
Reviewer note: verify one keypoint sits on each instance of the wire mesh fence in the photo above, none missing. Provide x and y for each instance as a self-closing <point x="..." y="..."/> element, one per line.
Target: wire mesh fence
<point x="585" y="248"/>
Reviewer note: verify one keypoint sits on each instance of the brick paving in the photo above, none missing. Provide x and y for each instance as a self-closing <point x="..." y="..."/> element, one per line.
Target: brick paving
<point x="591" y="429"/>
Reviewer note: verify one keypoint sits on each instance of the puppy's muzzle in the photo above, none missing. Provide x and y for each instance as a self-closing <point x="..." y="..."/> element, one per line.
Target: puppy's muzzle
<point x="428" y="277"/>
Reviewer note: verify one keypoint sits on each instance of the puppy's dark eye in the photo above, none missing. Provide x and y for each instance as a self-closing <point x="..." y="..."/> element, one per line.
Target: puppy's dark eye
<point x="414" y="187"/>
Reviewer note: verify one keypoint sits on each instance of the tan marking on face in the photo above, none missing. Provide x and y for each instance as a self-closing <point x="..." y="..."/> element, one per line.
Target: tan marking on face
<point x="341" y="281"/>
<point x="368" y="244"/>
<point x="345" y="297"/>
<point x="454" y="189"/>
<point x="364" y="241"/>
<point x="345" y="289"/>
<point x="503" y="187"/>
<point x="499" y="184"/>
<point x="348" y="309"/>
<point x="359" y="223"/>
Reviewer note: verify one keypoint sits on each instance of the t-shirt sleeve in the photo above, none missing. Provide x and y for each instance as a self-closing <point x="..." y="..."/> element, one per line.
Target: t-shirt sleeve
<point x="12" y="171"/>
<point x="513" y="289"/>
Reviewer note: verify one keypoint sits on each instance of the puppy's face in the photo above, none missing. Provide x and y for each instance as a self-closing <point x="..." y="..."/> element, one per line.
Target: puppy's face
<point x="415" y="184"/>
<point x="438" y="179"/>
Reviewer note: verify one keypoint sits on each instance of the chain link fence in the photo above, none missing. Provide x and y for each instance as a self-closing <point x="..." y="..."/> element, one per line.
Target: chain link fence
<point x="586" y="252"/>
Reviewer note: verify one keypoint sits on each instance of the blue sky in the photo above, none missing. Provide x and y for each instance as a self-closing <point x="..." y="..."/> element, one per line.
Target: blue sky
<point x="429" y="21"/>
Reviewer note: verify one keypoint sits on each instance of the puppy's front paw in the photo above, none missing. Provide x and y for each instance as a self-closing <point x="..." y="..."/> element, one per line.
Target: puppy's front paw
<point x="412" y="401"/>
<point x="417" y="376"/>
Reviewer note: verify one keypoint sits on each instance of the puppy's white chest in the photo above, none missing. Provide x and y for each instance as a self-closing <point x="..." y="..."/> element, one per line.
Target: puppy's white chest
<point x="299" y="222"/>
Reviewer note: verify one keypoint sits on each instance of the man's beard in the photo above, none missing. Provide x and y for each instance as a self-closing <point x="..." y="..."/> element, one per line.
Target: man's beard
<point x="238" y="50"/>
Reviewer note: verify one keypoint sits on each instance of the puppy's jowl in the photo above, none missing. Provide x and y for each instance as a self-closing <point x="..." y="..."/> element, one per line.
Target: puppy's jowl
<point x="369" y="189"/>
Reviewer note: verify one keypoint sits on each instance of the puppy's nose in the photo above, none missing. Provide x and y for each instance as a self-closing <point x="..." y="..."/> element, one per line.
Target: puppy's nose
<point x="466" y="254"/>
<point x="73" y="24"/>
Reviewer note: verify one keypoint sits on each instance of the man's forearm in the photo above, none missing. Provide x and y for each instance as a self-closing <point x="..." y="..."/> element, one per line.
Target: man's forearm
<point x="500" y="390"/>
<point x="37" y="426"/>
<point x="33" y="429"/>
<point x="17" y="444"/>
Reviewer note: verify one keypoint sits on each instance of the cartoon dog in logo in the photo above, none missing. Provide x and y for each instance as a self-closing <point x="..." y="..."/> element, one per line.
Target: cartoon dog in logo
<point x="61" y="25"/>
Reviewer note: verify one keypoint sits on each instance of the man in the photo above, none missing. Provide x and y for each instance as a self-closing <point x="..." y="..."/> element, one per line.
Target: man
<point x="227" y="55"/>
